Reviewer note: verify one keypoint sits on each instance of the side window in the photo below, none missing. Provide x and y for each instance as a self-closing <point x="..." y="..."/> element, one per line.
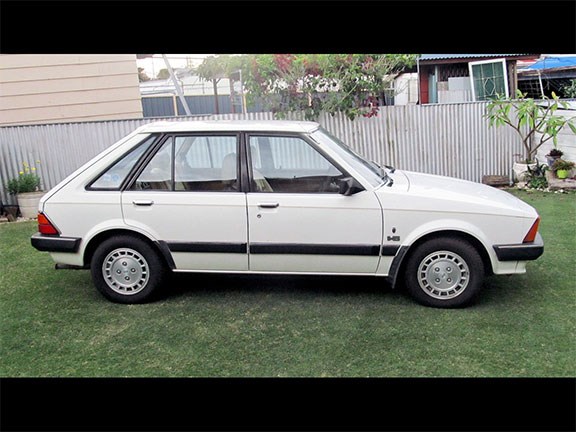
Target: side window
<point x="193" y="163"/>
<point x="206" y="163"/>
<point x="291" y="165"/>
<point x="157" y="175"/>
<point x="112" y="178"/>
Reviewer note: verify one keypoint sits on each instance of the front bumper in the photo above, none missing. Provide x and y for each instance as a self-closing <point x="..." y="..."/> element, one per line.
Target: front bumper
<point x="55" y="243"/>
<point x="520" y="252"/>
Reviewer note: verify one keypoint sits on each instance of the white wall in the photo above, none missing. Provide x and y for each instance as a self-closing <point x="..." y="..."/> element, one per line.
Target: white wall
<point x="566" y="141"/>
<point x="406" y="89"/>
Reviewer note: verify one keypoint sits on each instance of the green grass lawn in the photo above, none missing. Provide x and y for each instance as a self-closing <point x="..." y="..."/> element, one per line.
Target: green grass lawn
<point x="55" y="324"/>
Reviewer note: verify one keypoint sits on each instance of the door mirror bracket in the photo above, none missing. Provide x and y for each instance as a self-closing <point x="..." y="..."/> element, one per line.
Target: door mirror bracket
<point x="349" y="186"/>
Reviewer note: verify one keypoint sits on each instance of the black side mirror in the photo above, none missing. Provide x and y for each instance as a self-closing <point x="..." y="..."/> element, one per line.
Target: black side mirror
<point x="349" y="186"/>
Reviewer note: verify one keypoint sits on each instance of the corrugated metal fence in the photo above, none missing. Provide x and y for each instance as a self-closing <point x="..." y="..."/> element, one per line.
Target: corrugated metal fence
<point x="452" y="140"/>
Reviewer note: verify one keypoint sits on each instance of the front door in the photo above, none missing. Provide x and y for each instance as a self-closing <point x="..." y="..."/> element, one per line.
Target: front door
<point x="188" y="196"/>
<point x="298" y="222"/>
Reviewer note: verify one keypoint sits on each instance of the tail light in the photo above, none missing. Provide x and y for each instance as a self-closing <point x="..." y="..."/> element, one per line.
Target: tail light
<point x="45" y="226"/>
<point x="531" y="236"/>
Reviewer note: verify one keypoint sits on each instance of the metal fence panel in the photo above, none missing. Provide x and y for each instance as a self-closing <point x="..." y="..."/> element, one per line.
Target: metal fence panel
<point x="446" y="139"/>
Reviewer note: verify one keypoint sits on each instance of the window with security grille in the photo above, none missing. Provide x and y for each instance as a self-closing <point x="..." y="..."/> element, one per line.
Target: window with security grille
<point x="488" y="79"/>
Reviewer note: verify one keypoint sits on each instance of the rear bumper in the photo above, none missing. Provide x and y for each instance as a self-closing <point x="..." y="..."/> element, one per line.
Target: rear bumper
<point x="520" y="252"/>
<point x="55" y="243"/>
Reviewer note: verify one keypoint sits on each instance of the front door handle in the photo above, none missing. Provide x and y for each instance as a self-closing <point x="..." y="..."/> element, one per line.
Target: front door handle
<point x="268" y="205"/>
<point x="142" y="202"/>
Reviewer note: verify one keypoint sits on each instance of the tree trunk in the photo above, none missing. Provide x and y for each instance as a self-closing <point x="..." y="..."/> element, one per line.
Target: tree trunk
<point x="216" y="104"/>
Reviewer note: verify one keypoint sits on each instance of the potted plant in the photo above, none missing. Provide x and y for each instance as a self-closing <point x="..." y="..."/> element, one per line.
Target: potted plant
<point x="562" y="168"/>
<point x="553" y="155"/>
<point x="26" y="188"/>
<point x="536" y="178"/>
<point x="528" y="117"/>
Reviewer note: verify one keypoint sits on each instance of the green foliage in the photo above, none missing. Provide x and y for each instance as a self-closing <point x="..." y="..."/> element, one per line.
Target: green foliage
<point x="312" y="83"/>
<point x="163" y="74"/>
<point x="27" y="181"/>
<point x="142" y="76"/>
<point x="569" y="90"/>
<point x="528" y="116"/>
<point x="218" y="67"/>
<point x="555" y="152"/>
<point x="537" y="177"/>
<point x="561" y="164"/>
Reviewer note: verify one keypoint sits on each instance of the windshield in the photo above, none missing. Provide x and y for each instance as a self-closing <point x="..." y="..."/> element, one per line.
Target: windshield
<point x="369" y="170"/>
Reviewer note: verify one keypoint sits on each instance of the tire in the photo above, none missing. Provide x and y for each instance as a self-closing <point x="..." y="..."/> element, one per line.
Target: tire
<point x="445" y="273"/>
<point x="127" y="270"/>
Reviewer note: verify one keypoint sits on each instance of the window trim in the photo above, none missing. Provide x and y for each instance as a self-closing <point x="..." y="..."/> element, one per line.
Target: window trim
<point x="139" y="167"/>
<point x="504" y="68"/>
<point x="300" y="135"/>
<point x="100" y="173"/>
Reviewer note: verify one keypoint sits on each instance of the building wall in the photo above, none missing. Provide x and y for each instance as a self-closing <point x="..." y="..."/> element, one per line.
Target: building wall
<point x="566" y="140"/>
<point x="68" y="88"/>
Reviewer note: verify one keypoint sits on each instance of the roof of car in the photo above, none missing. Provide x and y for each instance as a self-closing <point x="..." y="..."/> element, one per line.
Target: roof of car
<point x="230" y="125"/>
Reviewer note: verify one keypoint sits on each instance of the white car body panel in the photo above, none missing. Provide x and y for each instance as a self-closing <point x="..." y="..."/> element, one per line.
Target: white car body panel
<point x="196" y="217"/>
<point x="315" y="219"/>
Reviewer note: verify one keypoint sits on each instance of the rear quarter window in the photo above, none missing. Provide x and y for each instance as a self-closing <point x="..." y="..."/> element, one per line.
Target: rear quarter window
<point x="113" y="176"/>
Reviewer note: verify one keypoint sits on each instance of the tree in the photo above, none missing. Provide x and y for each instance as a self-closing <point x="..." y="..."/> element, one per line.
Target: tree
<point x="528" y="117"/>
<point x="217" y="67"/>
<point x="163" y="74"/>
<point x="350" y="83"/>
<point x="142" y="75"/>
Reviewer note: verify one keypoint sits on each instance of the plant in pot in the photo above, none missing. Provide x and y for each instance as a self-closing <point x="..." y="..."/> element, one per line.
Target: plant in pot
<point x="536" y="177"/>
<point x="26" y="188"/>
<point x="553" y="155"/>
<point x="562" y="168"/>
<point x="529" y="117"/>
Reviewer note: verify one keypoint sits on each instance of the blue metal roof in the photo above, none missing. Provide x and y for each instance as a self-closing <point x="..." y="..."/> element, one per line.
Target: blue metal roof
<point x="465" y="56"/>
<point x="553" y="63"/>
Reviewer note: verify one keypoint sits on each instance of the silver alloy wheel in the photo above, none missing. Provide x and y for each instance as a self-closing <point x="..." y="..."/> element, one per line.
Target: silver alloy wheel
<point x="443" y="275"/>
<point x="125" y="271"/>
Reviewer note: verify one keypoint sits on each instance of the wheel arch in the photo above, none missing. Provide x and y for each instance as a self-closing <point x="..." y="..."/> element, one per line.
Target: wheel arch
<point x="399" y="263"/>
<point x="160" y="246"/>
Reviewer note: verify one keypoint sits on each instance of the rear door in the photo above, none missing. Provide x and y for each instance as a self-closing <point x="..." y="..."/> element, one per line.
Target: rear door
<point x="188" y="195"/>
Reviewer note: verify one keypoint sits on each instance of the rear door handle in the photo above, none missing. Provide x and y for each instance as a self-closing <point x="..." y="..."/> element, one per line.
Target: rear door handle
<point x="268" y="205"/>
<point x="142" y="202"/>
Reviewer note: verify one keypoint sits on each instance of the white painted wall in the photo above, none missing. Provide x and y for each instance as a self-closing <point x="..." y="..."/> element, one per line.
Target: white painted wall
<point x="406" y="89"/>
<point x="566" y="141"/>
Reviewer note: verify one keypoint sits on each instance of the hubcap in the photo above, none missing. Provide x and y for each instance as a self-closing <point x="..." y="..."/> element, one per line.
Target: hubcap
<point x="125" y="271"/>
<point x="443" y="275"/>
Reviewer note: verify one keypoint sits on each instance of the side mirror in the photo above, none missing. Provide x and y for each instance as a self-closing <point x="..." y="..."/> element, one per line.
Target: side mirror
<point x="349" y="186"/>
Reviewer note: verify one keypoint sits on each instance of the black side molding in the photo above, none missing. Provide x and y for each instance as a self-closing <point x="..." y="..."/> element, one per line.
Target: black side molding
<point x="520" y="252"/>
<point x="55" y="243"/>
<point x="314" y="249"/>
<point x="208" y="247"/>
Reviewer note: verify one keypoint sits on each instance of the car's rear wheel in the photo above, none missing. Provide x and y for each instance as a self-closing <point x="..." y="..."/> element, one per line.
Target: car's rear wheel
<point x="444" y="272"/>
<point x="126" y="269"/>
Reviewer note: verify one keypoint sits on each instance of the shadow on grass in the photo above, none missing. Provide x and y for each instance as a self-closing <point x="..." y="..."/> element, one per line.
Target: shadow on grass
<point x="203" y="285"/>
<point x="500" y="291"/>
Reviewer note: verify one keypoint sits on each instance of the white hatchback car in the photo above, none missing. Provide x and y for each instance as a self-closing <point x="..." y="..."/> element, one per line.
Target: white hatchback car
<point x="276" y="197"/>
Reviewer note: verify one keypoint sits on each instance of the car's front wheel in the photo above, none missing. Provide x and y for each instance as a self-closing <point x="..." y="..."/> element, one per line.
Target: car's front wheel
<point x="444" y="272"/>
<point x="126" y="269"/>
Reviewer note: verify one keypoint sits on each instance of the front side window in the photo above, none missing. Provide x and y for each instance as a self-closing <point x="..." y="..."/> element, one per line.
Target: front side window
<point x="361" y="165"/>
<point x="192" y="163"/>
<point x="290" y="165"/>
